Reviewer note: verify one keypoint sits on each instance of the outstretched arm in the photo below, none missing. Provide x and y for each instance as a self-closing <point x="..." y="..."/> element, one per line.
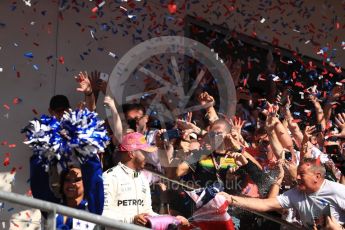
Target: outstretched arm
<point x="255" y="204"/>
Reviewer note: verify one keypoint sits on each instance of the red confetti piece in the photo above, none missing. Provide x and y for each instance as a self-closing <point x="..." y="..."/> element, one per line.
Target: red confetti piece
<point x="18" y="74"/>
<point x="172" y="8"/>
<point x="16" y="100"/>
<point x="338" y="25"/>
<point x="35" y="111"/>
<point x="6" y="161"/>
<point x="62" y="60"/>
<point x="27" y="215"/>
<point x="16" y="225"/>
<point x="245" y="82"/>
<point x="29" y="192"/>
<point x="12" y="145"/>
<point x="94" y="10"/>
<point x="4" y="143"/>
<point x="6" y="107"/>
<point x="13" y="170"/>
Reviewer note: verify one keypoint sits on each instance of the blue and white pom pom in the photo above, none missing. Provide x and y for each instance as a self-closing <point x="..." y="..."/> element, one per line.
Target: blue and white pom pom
<point x="85" y="132"/>
<point x="43" y="136"/>
<point x="54" y="140"/>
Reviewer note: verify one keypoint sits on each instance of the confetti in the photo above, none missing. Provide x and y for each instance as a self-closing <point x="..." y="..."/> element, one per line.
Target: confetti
<point x="29" y="55"/>
<point x="17" y="100"/>
<point x="27" y="2"/>
<point x="112" y="54"/>
<point x="6" y="161"/>
<point x="6" y="106"/>
<point x="172" y="8"/>
<point x="62" y="60"/>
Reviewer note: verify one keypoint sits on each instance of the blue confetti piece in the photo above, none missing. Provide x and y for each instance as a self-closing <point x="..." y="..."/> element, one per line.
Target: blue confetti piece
<point x="10" y="209"/>
<point x="29" y="55"/>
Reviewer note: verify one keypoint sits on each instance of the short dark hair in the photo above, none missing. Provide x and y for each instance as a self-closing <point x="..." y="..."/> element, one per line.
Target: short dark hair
<point x="59" y="101"/>
<point x="129" y="107"/>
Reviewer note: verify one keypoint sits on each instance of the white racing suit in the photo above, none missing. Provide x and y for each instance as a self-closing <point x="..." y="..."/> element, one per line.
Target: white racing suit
<point x="126" y="194"/>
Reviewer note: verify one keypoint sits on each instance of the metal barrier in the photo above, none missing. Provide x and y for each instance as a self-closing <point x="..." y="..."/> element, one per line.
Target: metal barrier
<point x="53" y="208"/>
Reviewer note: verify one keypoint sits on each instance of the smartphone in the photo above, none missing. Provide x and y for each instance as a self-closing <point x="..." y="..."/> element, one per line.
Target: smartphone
<point x="288" y="156"/>
<point x="332" y="149"/>
<point x="171" y="134"/>
<point x="262" y="103"/>
<point x="318" y="128"/>
<point x="104" y="77"/>
<point x="327" y="210"/>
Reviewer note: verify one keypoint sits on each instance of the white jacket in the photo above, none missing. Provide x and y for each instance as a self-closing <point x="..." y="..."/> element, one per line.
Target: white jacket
<point x="126" y="194"/>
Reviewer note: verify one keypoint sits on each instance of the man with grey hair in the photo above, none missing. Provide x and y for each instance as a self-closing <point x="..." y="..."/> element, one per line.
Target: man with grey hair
<point x="317" y="200"/>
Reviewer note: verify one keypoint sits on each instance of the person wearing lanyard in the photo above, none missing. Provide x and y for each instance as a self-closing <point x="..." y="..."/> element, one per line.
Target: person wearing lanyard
<point x="227" y="157"/>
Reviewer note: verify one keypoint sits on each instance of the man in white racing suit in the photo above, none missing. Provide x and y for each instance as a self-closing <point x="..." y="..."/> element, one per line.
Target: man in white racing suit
<point x="127" y="195"/>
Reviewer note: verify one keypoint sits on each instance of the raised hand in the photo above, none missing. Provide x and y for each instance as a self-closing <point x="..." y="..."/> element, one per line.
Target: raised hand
<point x="109" y="101"/>
<point x="231" y="143"/>
<point x="240" y="161"/>
<point x="237" y="124"/>
<point x="84" y="84"/>
<point x="206" y="100"/>
<point x="340" y="122"/>
<point x="185" y="125"/>
<point x="308" y="132"/>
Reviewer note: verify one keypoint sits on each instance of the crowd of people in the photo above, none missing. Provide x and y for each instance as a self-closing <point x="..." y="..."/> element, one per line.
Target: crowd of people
<point x="262" y="159"/>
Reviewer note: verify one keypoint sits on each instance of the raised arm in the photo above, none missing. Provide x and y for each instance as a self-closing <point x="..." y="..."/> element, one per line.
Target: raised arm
<point x="293" y="126"/>
<point x="39" y="181"/>
<point x="84" y="85"/>
<point x="207" y="101"/>
<point x="93" y="184"/>
<point x="320" y="116"/>
<point x="117" y="123"/>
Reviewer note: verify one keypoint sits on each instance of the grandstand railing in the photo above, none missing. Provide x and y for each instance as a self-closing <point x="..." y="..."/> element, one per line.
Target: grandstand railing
<point x="52" y="209"/>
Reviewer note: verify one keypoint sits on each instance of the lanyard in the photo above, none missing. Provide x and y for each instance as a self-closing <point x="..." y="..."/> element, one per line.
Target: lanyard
<point x="218" y="166"/>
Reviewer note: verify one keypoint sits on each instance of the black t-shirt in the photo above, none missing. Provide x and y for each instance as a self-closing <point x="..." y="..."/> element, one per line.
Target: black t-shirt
<point x="204" y="169"/>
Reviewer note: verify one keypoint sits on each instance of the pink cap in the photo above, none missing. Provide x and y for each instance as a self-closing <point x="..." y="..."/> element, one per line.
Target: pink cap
<point x="135" y="141"/>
